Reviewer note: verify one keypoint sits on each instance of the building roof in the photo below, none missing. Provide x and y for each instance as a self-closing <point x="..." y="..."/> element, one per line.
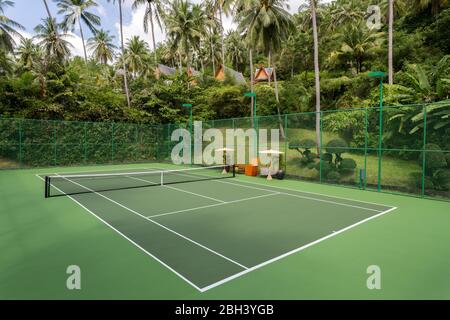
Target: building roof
<point x="237" y="76"/>
<point x="263" y="74"/>
<point x="165" y="70"/>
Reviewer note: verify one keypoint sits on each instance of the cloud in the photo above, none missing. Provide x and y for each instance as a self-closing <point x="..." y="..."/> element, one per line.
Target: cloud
<point x="77" y="43"/>
<point x="135" y="28"/>
<point x="101" y="10"/>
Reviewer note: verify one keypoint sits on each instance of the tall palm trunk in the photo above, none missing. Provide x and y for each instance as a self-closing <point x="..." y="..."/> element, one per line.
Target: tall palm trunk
<point x="125" y="77"/>
<point x="213" y="56"/>
<point x="316" y="74"/>
<point x="49" y="13"/>
<point x="82" y="40"/>
<point x="252" y="89"/>
<point x="48" y="10"/>
<point x="153" y="37"/>
<point x="223" y="36"/>
<point x="390" y="45"/>
<point x="277" y="97"/>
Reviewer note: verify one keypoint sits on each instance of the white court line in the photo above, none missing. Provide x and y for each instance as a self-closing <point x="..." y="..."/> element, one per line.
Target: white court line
<point x="213" y="205"/>
<point x="317" y="194"/>
<point x="195" y="194"/>
<point x="88" y="171"/>
<point x="247" y="270"/>
<point x="131" y="241"/>
<point x="180" y="190"/>
<point x="237" y="275"/>
<point x="158" y="224"/>
<point x="301" y="197"/>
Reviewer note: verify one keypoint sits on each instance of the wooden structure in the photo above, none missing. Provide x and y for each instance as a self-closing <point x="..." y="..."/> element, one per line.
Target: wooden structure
<point x="224" y="72"/>
<point x="263" y="74"/>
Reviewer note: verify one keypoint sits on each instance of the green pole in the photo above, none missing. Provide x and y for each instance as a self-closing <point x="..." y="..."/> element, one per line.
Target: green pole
<point x="285" y="142"/>
<point x="85" y="142"/>
<point x="255" y="119"/>
<point x="380" y="138"/>
<point x="380" y="75"/>
<point x="424" y="154"/>
<point x="321" y="143"/>
<point x="189" y="106"/>
<point x="55" y="145"/>
<point x="20" y="144"/>
<point x="366" y="143"/>
<point x="112" y="142"/>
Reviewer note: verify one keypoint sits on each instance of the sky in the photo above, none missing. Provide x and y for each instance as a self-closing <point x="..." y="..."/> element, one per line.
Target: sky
<point x="30" y="12"/>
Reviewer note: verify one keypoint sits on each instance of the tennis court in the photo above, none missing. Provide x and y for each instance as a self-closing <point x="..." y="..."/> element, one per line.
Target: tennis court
<point x="205" y="225"/>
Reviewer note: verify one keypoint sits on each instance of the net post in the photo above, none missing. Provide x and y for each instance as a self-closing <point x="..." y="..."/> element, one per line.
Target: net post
<point x="47" y="187"/>
<point x="162" y="178"/>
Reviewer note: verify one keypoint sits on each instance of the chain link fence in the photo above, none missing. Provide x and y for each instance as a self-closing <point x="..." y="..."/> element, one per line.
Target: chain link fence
<point x="399" y="149"/>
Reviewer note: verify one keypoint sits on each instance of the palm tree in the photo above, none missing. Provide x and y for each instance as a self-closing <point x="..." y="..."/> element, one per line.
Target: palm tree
<point x="153" y="8"/>
<point x="53" y="42"/>
<point x="76" y="12"/>
<point x="434" y="6"/>
<point x="268" y="24"/>
<point x="212" y="37"/>
<point x="357" y="45"/>
<point x="183" y="28"/>
<point x="390" y="43"/>
<point x="223" y="7"/>
<point x="122" y="45"/>
<point x="26" y="53"/>
<point x="313" y="4"/>
<point x="137" y="56"/>
<point x="8" y="28"/>
<point x="49" y="13"/>
<point x="346" y="11"/>
<point x="6" y="63"/>
<point x="235" y="49"/>
<point x="102" y="46"/>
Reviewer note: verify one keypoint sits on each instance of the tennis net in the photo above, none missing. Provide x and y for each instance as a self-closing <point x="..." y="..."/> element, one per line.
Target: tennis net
<point x="64" y="185"/>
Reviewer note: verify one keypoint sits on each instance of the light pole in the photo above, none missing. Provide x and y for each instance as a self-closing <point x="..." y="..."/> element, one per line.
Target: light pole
<point x="380" y="75"/>
<point x="189" y="106"/>
<point x="255" y="118"/>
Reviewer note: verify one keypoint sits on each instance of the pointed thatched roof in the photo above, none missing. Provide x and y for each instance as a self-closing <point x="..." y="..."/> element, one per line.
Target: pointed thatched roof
<point x="224" y="72"/>
<point x="163" y="70"/>
<point x="263" y="74"/>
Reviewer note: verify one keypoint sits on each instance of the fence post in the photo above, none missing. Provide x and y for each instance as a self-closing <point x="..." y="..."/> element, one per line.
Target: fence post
<point x="85" y="142"/>
<point x="112" y="141"/>
<point x="424" y="153"/>
<point x="321" y="146"/>
<point x="20" y="144"/>
<point x="366" y="145"/>
<point x="286" y="142"/>
<point x="380" y="146"/>
<point x="55" y="154"/>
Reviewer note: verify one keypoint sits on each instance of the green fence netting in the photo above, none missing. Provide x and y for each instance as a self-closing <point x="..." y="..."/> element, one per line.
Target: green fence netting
<point x="399" y="149"/>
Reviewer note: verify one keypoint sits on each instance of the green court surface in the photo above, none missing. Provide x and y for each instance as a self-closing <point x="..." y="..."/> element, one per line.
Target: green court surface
<point x="236" y="238"/>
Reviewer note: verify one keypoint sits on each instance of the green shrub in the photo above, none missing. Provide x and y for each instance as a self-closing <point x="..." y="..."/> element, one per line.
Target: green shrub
<point x="327" y="157"/>
<point x="441" y="179"/>
<point x="326" y="167"/>
<point x="337" y="146"/>
<point x="447" y="158"/>
<point x="307" y="144"/>
<point x="434" y="159"/>
<point x="333" y="176"/>
<point x="347" y="166"/>
<point x="311" y="165"/>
